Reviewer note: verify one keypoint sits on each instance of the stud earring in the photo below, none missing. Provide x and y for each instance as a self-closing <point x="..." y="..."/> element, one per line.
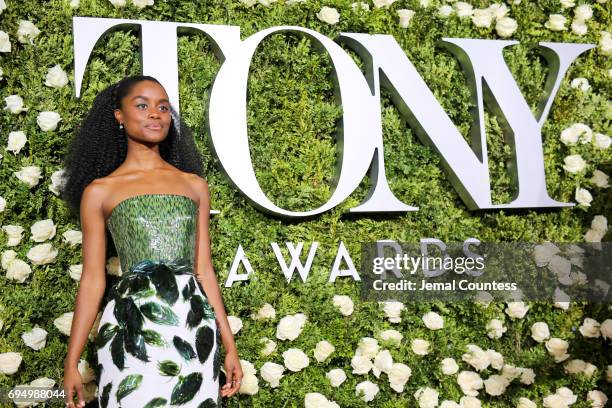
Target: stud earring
<point x="121" y="126"/>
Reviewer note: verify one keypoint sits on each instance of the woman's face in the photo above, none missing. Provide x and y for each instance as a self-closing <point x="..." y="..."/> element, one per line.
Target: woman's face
<point x="145" y="112"/>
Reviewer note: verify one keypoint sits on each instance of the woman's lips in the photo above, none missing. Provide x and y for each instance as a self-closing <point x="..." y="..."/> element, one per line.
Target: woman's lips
<point x="154" y="127"/>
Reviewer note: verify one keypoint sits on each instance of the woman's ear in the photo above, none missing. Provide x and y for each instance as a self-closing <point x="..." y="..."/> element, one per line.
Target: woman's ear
<point x="118" y="115"/>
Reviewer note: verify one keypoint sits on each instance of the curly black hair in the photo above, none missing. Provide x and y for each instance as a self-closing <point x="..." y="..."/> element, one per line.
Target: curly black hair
<point x="99" y="146"/>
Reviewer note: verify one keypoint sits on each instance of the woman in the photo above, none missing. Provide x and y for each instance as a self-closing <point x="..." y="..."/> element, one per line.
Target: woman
<point x="133" y="167"/>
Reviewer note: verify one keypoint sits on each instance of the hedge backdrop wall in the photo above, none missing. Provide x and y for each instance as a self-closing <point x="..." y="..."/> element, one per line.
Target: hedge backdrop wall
<point x="292" y="120"/>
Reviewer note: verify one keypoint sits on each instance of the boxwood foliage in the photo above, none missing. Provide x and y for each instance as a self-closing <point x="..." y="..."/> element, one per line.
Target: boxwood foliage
<point x="292" y="123"/>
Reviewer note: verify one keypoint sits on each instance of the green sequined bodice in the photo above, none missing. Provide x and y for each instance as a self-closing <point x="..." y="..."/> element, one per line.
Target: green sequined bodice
<point x="159" y="227"/>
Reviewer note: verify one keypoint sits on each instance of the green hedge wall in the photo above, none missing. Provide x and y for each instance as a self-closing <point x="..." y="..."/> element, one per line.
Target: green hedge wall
<point x="291" y="124"/>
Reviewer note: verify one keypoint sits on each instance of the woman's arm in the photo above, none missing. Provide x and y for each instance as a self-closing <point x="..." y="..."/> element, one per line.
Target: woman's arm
<point x="206" y="275"/>
<point x="93" y="278"/>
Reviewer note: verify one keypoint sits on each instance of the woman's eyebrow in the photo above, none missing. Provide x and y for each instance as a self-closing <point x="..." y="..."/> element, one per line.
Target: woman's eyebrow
<point x="144" y="97"/>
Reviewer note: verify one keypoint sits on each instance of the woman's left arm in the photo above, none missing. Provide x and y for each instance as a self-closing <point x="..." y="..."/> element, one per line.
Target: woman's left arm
<point x="206" y="275"/>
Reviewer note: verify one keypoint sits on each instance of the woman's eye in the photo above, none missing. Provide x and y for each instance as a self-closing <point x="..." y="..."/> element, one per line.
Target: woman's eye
<point x="164" y="108"/>
<point x="141" y="104"/>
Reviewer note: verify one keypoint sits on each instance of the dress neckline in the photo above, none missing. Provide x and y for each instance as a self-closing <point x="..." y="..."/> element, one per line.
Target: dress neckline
<point x="112" y="212"/>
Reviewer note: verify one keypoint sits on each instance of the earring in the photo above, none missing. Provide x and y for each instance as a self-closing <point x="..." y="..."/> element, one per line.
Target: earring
<point x="121" y="126"/>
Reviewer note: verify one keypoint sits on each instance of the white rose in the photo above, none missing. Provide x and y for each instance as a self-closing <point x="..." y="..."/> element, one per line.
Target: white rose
<point x="590" y="328"/>
<point x="16" y="141"/>
<point x="470" y="402"/>
<point x="336" y="377"/>
<point x="496" y="359"/>
<point x="265" y="312"/>
<point x="5" y="43"/>
<point x="482" y="17"/>
<point x="56" y="77"/>
<point x="556" y="22"/>
<point x="606" y="329"/>
<point x="602" y="141"/>
<point x="543" y="253"/>
<point x="575" y="366"/>
<point x="323" y="349"/>
<point x="420" y="347"/>
<point x="87" y="373"/>
<point x="9" y="362"/>
<point x="383" y="3"/>
<point x="516" y="310"/>
<point x="2" y="204"/>
<point x="344" y="304"/>
<point x="424" y="3"/>
<point x="18" y="270"/>
<point x="367" y="390"/>
<point x="30" y="175"/>
<point x="117" y="3"/>
<point x="600" y="224"/>
<point x="27" y="32"/>
<point x="35" y="338"/>
<point x="142" y="3"/>
<point x="8" y="257"/>
<point x="43" y="230"/>
<point x="445" y="10"/>
<point x="567" y="395"/>
<point x="527" y="376"/>
<point x="499" y="10"/>
<point x="600" y="179"/>
<point x="367" y="347"/>
<point x="360" y="5"/>
<point x="48" y="120"/>
<point x="579" y="27"/>
<point x="14" y="104"/>
<point x="317" y="400"/>
<point x="64" y="323"/>
<point x="526" y="403"/>
<point x="250" y="385"/>
<point x="597" y="399"/>
<point x="382" y="363"/>
<point x="583" y="12"/>
<point x="73" y="237"/>
<point x="427" y="397"/>
<point x="605" y="43"/>
<point x="405" y="16"/>
<point x="295" y="359"/>
<point x="113" y="266"/>
<point x="269" y="346"/>
<point x="510" y="372"/>
<point x="14" y="234"/>
<point x="593" y="236"/>
<point x="567" y="4"/>
<point x="74" y="4"/>
<point x="540" y="332"/>
<point x="496" y="385"/>
<point x="580" y="83"/>
<point x="464" y="9"/>
<point x="2" y="6"/>
<point x="290" y="326"/>
<point x="42" y="254"/>
<point x="574" y="163"/>
<point x="391" y="337"/>
<point x="505" y="27"/>
<point x="476" y="357"/>
<point x="75" y="271"/>
<point x="398" y="376"/>
<point x="328" y="15"/>
<point x="558" y="349"/>
<point x="470" y="382"/>
<point x="272" y="373"/>
<point x="449" y="366"/>
<point x="433" y="321"/>
<point x="583" y="197"/>
<point x="361" y="364"/>
<point x="496" y="329"/>
<point x="57" y="181"/>
<point x="247" y="367"/>
<point x="609" y="374"/>
<point x="560" y="266"/>
<point x="393" y="310"/>
<point x="235" y="323"/>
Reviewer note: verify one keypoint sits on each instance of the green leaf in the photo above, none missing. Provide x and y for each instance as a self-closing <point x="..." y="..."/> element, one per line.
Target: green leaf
<point x="168" y="368"/>
<point x="186" y="388"/>
<point x="164" y="281"/>
<point x="154" y="338"/>
<point x="117" y="353"/>
<point x="208" y="403"/>
<point x="105" y="395"/>
<point x="156" y="403"/>
<point x="159" y="314"/>
<point x="128" y="385"/>
<point x="184" y="348"/>
<point x="205" y="339"/>
<point x="105" y="334"/>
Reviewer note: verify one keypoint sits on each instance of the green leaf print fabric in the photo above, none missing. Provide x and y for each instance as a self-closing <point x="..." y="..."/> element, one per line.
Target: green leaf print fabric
<point x="158" y="344"/>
